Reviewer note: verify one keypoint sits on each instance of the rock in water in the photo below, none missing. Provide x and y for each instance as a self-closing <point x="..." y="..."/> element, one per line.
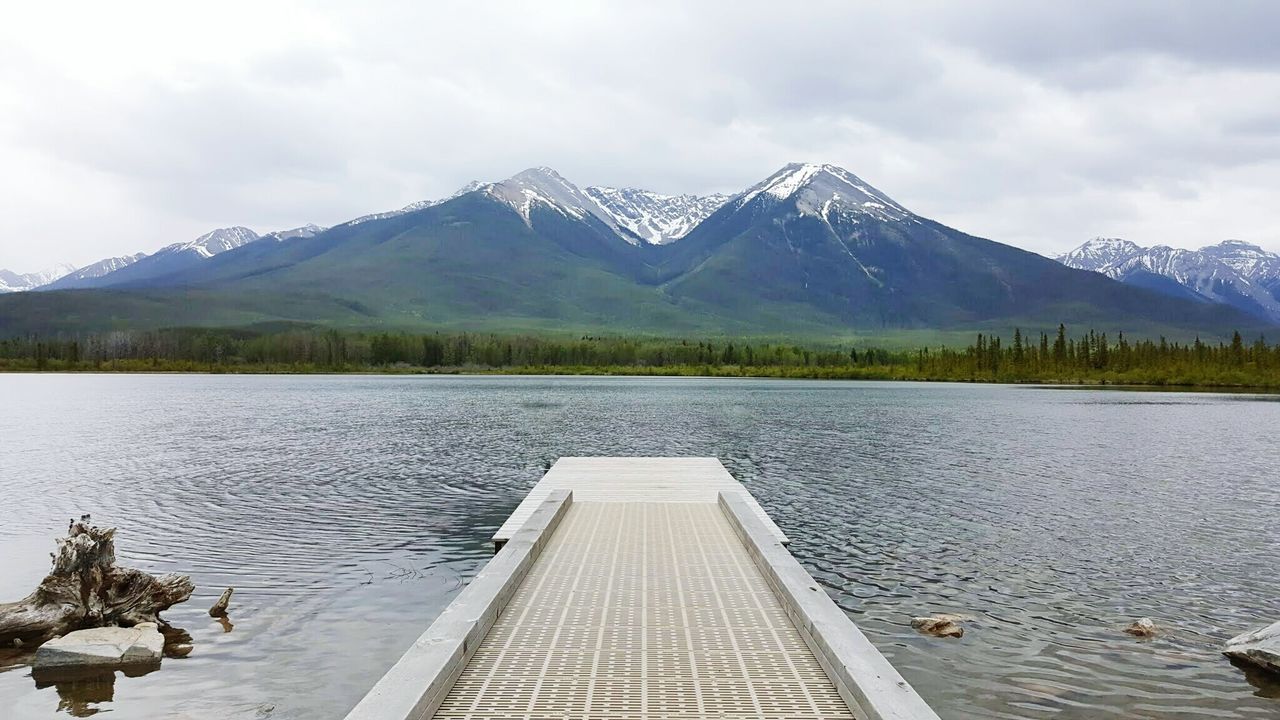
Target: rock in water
<point x="1260" y="647"/>
<point x="938" y="626"/>
<point x="1143" y="627"/>
<point x="141" y="643"/>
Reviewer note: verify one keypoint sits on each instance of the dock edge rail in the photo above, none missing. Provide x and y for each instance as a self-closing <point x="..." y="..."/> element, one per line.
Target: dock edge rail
<point x="415" y="687"/>
<point x="864" y="677"/>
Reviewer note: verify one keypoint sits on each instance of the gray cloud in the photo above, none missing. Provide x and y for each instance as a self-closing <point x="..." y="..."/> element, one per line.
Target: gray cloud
<point x="1031" y="124"/>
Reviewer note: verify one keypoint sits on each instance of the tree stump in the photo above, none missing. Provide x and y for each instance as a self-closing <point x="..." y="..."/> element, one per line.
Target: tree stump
<point x="87" y="589"/>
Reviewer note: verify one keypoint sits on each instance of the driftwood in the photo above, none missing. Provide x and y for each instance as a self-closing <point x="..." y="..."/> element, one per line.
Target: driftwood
<point x="87" y="589"/>
<point x="219" y="608"/>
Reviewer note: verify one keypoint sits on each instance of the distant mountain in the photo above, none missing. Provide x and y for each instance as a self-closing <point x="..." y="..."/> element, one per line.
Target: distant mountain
<point x="819" y="238"/>
<point x="309" y="230"/>
<point x="1234" y="273"/>
<point x="655" y="218"/>
<point x="811" y="250"/>
<point x="18" y="282"/>
<point x="1100" y="253"/>
<point x="415" y="206"/>
<point x="1252" y="262"/>
<point x="78" y="277"/>
<point x="542" y="188"/>
<point x="170" y="259"/>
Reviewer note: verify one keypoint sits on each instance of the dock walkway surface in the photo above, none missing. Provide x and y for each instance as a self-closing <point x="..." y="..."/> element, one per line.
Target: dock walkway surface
<point x="641" y="588"/>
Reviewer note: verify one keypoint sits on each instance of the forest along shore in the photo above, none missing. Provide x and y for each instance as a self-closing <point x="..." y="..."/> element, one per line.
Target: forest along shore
<point x="1090" y="358"/>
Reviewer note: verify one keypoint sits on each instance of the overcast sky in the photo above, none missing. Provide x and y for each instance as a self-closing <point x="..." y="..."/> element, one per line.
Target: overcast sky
<point x="126" y="127"/>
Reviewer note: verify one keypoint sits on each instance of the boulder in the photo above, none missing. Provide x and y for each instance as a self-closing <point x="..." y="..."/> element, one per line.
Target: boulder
<point x="141" y="643"/>
<point x="1143" y="627"/>
<point x="1259" y="647"/>
<point x="938" y="625"/>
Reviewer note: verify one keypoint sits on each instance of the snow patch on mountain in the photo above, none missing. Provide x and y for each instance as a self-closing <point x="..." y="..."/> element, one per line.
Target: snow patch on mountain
<point x="653" y="217"/>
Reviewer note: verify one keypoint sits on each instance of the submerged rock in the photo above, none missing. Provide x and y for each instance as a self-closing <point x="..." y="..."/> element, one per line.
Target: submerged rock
<point x="938" y="625"/>
<point x="1143" y="627"/>
<point x="141" y="643"/>
<point x="1260" y="647"/>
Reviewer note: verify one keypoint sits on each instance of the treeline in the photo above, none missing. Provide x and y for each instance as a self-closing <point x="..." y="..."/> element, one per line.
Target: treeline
<point x="334" y="350"/>
<point x="1088" y="358"/>
<point x="1094" y="358"/>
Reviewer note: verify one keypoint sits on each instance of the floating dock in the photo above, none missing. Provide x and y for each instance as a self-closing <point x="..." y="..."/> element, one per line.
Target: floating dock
<point x="641" y="588"/>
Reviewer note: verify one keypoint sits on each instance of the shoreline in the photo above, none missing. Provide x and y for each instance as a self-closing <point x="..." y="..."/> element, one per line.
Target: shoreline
<point x="874" y="374"/>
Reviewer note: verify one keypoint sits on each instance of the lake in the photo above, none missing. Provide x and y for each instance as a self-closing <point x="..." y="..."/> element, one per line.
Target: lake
<point x="348" y="510"/>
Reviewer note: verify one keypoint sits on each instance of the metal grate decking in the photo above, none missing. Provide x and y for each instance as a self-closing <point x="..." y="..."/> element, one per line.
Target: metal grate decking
<point x="643" y="610"/>
<point x="634" y="479"/>
<point x="641" y="588"/>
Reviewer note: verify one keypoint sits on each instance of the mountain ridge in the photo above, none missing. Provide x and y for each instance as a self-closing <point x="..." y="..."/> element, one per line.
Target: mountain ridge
<point x="1232" y="272"/>
<point x="655" y="218"/>
<point x="11" y="281"/>
<point x="811" y="248"/>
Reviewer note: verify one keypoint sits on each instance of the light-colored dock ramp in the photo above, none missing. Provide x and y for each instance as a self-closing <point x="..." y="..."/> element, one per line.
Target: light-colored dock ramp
<point x="641" y="588"/>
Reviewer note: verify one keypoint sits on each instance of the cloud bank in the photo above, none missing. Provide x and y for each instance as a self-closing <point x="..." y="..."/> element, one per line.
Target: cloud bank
<point x="126" y="127"/>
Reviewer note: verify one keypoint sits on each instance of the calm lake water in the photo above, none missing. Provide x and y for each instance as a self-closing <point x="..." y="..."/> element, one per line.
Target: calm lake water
<point x="347" y="512"/>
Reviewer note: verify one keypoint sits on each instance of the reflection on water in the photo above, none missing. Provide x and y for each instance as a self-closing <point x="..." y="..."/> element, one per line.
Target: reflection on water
<point x="347" y="511"/>
<point x="1267" y="683"/>
<point x="85" y="692"/>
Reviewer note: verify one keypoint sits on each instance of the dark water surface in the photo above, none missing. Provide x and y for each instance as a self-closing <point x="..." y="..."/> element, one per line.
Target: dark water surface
<point x="347" y="511"/>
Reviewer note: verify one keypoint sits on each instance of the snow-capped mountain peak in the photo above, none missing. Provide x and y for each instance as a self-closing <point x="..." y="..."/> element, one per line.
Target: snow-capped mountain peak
<point x="95" y="270"/>
<point x="309" y="230"/>
<point x="542" y="186"/>
<point x="470" y="187"/>
<point x="1247" y="259"/>
<point x="653" y="217"/>
<point x="821" y="189"/>
<point x="1236" y="246"/>
<point x="1098" y="253"/>
<point x="215" y="241"/>
<point x="18" y="282"/>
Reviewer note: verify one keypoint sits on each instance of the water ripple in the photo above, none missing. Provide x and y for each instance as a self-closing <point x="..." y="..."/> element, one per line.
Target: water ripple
<point x="347" y="511"/>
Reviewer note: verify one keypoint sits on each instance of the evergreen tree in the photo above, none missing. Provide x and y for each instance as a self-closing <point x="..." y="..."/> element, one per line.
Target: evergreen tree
<point x="1060" y="347"/>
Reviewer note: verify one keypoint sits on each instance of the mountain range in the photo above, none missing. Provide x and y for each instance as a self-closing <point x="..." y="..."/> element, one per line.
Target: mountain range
<point x="11" y="281"/>
<point x="1232" y="272"/>
<point x="810" y="250"/>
